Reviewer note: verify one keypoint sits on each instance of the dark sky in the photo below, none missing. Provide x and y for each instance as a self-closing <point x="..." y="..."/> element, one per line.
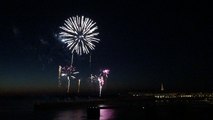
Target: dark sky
<point x="143" y="43"/>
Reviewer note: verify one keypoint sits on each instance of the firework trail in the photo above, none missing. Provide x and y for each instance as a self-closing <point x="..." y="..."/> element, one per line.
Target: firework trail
<point x="79" y="85"/>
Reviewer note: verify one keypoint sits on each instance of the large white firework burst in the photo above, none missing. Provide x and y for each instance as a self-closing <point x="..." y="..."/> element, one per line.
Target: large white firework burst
<point x="79" y="33"/>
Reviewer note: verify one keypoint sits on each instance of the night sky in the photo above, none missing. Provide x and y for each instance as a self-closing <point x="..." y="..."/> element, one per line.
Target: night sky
<point x="142" y="43"/>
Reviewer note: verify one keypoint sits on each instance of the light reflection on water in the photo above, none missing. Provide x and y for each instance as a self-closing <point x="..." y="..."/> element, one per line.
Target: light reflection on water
<point x="81" y="114"/>
<point x="77" y="114"/>
<point x="23" y="110"/>
<point x="107" y="114"/>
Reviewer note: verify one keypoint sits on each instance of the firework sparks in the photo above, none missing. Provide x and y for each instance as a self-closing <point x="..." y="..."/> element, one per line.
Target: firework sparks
<point x="106" y="71"/>
<point x="101" y="79"/>
<point x="101" y="83"/>
<point x="68" y="73"/>
<point x="79" y="33"/>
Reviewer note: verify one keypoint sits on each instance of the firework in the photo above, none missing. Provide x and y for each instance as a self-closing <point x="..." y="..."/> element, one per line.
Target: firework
<point x="101" y="83"/>
<point x="79" y="33"/>
<point x="101" y="79"/>
<point x="67" y="73"/>
<point x="106" y="72"/>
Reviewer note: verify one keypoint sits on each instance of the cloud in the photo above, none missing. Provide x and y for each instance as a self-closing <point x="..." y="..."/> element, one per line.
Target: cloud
<point x="43" y="41"/>
<point x="16" y="31"/>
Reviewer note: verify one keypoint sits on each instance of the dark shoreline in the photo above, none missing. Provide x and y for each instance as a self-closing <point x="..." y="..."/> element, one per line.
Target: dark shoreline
<point x="122" y="102"/>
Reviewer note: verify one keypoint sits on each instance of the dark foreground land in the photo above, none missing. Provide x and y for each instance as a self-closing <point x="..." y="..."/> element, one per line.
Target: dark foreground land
<point x="147" y="107"/>
<point x="120" y="102"/>
<point x="106" y="108"/>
